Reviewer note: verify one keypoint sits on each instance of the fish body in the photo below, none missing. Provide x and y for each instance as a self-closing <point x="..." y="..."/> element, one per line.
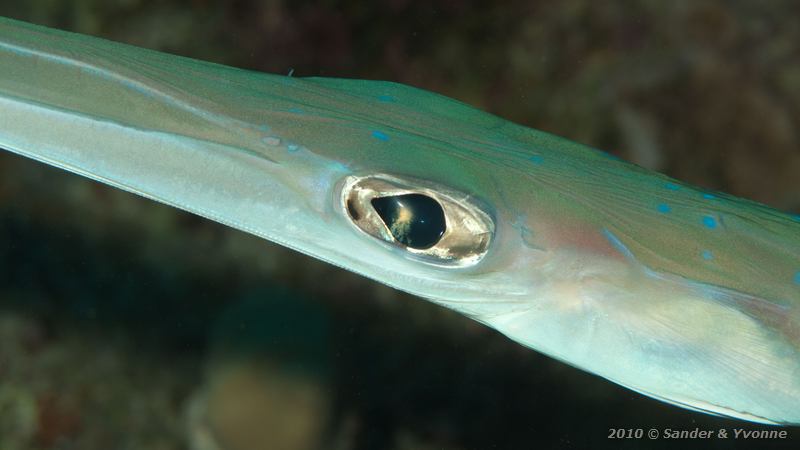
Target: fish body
<point x="687" y="296"/>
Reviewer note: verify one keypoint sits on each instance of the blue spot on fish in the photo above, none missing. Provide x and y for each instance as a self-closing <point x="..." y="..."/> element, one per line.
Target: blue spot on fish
<point x="709" y="196"/>
<point x="292" y="148"/>
<point x="709" y="222"/>
<point x="386" y="98"/>
<point x="536" y="159"/>
<point x="797" y="277"/>
<point x="664" y="208"/>
<point x="671" y="186"/>
<point x="296" y="110"/>
<point x="379" y="135"/>
<point x="707" y="255"/>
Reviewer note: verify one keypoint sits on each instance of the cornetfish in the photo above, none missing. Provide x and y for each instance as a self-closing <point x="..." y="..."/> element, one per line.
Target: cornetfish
<point x="688" y="296"/>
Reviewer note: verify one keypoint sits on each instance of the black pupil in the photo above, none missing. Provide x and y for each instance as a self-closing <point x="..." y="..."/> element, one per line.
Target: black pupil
<point x="415" y="220"/>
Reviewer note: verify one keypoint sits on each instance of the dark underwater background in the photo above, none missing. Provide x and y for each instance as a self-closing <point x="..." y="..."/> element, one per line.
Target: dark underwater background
<point x="126" y="324"/>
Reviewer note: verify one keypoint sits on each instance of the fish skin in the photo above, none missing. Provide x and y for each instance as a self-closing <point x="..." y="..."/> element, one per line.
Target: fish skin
<point x="687" y="296"/>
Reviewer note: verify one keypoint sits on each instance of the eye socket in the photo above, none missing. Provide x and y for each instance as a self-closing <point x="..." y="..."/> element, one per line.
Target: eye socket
<point x="430" y="222"/>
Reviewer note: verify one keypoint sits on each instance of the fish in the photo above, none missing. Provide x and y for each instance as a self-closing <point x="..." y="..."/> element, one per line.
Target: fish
<point x="684" y="295"/>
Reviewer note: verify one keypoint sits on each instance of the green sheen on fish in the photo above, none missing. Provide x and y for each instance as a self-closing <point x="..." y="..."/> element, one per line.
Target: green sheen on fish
<point x="687" y="296"/>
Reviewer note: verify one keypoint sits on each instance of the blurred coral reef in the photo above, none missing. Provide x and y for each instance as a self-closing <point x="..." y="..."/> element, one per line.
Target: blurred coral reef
<point x="128" y="324"/>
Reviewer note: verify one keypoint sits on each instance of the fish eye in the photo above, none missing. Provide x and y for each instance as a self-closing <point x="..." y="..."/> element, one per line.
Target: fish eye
<point x="415" y="220"/>
<point x="429" y="222"/>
